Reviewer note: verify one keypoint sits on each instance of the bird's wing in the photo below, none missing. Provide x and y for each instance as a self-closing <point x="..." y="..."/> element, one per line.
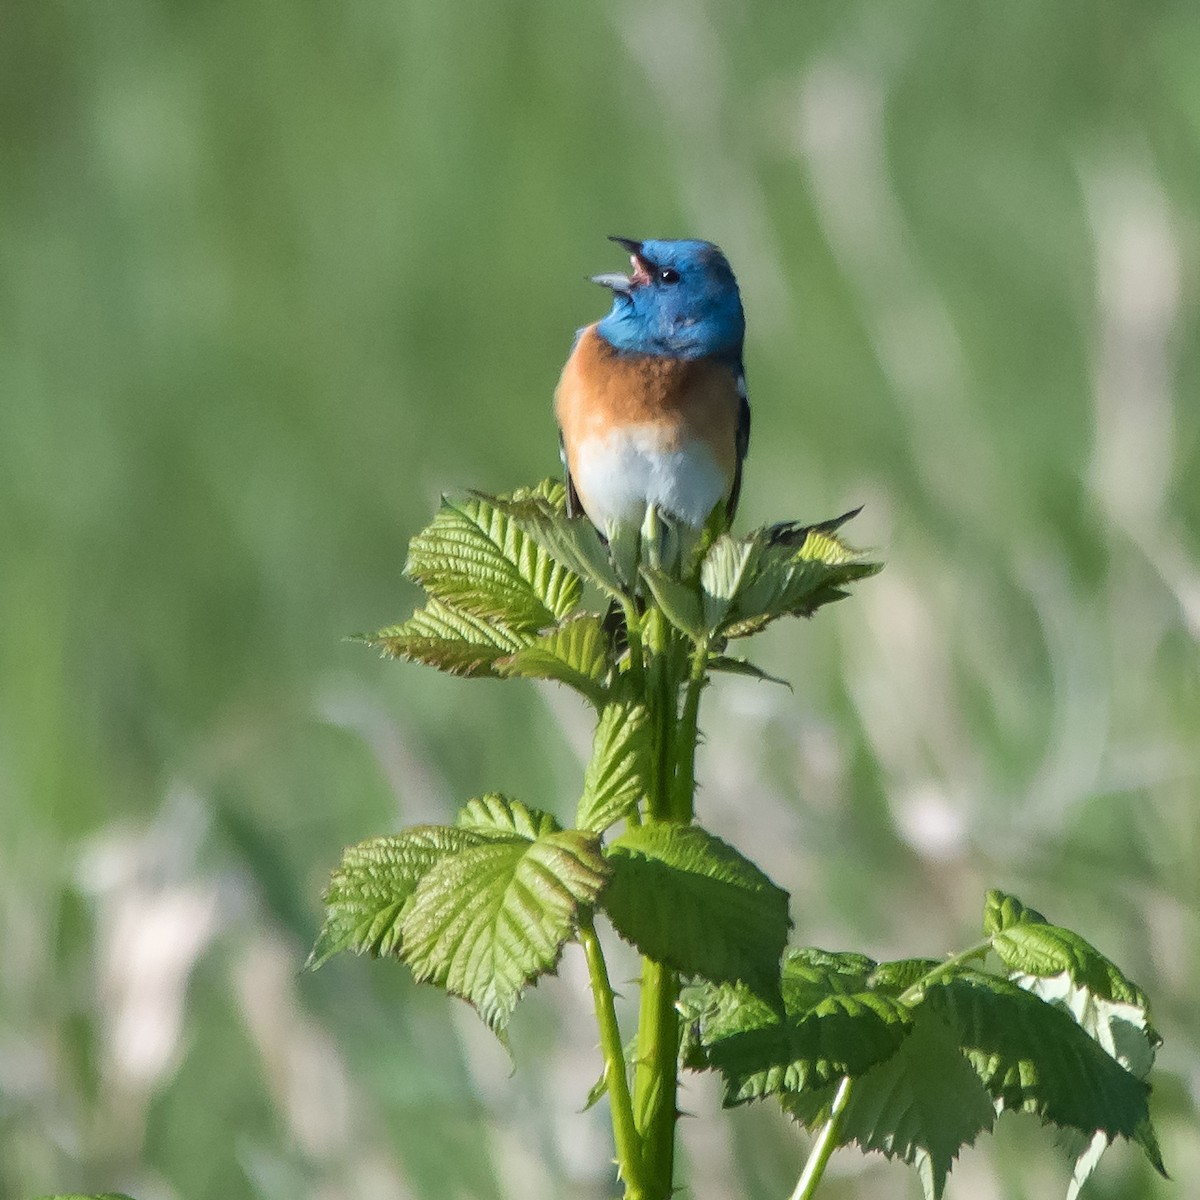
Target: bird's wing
<point x="574" y="506"/>
<point x="742" y="443"/>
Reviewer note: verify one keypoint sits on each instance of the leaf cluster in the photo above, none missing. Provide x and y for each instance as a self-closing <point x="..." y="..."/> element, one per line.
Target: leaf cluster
<point x="481" y="908"/>
<point x="913" y="1058"/>
<point x="506" y="578"/>
<point x="484" y="907"/>
<point x="1032" y="1019"/>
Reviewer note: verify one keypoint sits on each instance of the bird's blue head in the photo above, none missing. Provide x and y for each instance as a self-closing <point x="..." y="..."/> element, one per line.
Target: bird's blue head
<point x="681" y="300"/>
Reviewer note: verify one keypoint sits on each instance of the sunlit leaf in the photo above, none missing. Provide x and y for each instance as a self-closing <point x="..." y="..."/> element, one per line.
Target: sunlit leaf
<point x="810" y="974"/>
<point x="371" y="885"/>
<point x="690" y="900"/>
<point x="899" y="976"/>
<point x="728" y="566"/>
<point x="679" y="602"/>
<point x="576" y="653"/>
<point x="572" y="542"/>
<point x="1063" y="968"/>
<point x="450" y="639"/>
<point x="497" y="815"/>
<point x="475" y="559"/>
<point x="843" y="1034"/>
<point x="782" y="570"/>
<point x="485" y="923"/>
<point x="1036" y="948"/>
<point x="787" y="584"/>
<point x="619" y="768"/>
<point x="624" y="551"/>
<point x="1002" y="911"/>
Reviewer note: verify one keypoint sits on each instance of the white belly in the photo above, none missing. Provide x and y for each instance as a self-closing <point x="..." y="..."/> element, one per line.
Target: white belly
<point x="619" y="476"/>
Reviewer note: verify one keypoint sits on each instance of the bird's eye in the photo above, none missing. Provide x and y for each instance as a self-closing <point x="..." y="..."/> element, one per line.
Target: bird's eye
<point x="667" y="275"/>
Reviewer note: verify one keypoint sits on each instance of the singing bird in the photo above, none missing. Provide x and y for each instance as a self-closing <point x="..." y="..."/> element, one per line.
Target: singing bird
<point x="651" y="405"/>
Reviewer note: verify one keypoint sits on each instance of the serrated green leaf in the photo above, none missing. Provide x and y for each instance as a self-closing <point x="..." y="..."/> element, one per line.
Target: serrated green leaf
<point x="829" y="1026"/>
<point x="679" y="602"/>
<point x="496" y="815"/>
<point x="619" y="768"/>
<point x="787" y="584"/>
<point x="487" y="922"/>
<point x="1001" y="911"/>
<point x="1034" y="1058"/>
<point x="576" y="652"/>
<point x="897" y="977"/>
<point x="841" y="1035"/>
<point x="475" y="559"/>
<point x="810" y="974"/>
<point x="624" y="552"/>
<point x="89" y="1196"/>
<point x="921" y="1104"/>
<point x="371" y="885"/>
<point x="450" y="640"/>
<point x="778" y="571"/>
<point x="1064" y="969"/>
<point x="796" y="535"/>
<point x="690" y="900"/>
<point x="1122" y="1029"/>
<point x="822" y="546"/>
<point x="1036" y="948"/>
<point x="572" y="542"/>
<point x="741" y="666"/>
<point x="728" y="566"/>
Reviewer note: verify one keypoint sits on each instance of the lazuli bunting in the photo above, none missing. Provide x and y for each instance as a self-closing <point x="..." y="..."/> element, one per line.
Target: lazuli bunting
<point x="652" y="405"/>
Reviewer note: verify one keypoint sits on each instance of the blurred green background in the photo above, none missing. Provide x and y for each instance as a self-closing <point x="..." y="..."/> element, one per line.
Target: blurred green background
<point x="273" y="275"/>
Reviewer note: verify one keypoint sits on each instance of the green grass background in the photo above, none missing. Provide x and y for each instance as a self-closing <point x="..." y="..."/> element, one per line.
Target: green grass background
<point x="273" y="275"/>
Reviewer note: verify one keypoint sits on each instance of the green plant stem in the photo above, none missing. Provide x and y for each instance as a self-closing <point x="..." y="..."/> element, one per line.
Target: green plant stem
<point x="662" y="691"/>
<point x="685" y="777"/>
<point x="825" y="1144"/>
<point x="625" y="1135"/>
<point x="913" y="991"/>
<point x="656" y="1070"/>
<point x="633" y="640"/>
<point x="656" y="1076"/>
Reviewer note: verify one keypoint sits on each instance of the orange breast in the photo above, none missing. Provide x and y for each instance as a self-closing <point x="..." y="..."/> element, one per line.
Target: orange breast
<point x="682" y="400"/>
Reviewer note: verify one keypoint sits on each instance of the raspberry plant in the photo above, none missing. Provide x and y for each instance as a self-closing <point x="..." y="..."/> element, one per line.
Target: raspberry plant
<point x="913" y="1058"/>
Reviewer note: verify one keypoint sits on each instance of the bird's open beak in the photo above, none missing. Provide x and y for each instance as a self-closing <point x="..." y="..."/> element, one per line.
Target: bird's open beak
<point x="643" y="269"/>
<point x="621" y="284"/>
